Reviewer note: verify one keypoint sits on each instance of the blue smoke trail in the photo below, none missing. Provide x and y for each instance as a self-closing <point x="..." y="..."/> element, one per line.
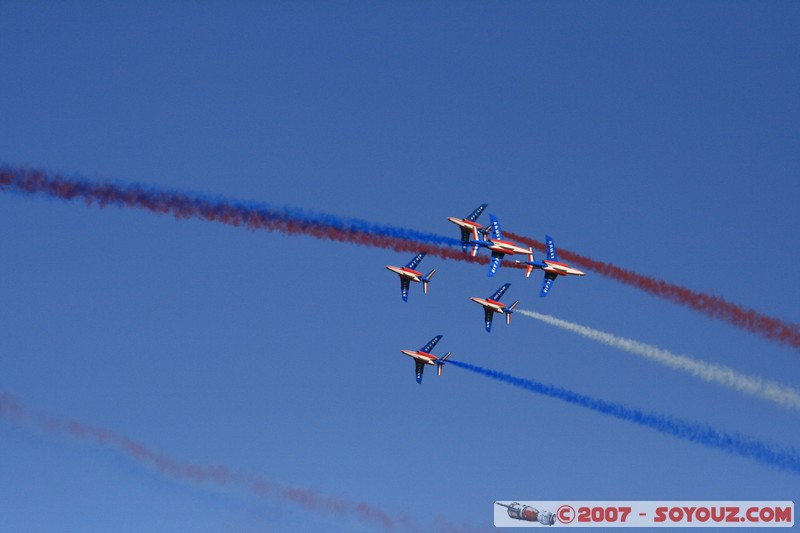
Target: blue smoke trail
<point x="787" y="459"/>
<point x="192" y="205"/>
<point x="294" y="221"/>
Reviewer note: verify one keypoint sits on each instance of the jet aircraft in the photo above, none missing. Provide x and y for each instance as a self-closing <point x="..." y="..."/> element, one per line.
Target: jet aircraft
<point x="423" y="357"/>
<point x="551" y="266"/>
<point x="492" y="305"/>
<point x="408" y="274"/>
<point x="499" y="247"/>
<point x="468" y="224"/>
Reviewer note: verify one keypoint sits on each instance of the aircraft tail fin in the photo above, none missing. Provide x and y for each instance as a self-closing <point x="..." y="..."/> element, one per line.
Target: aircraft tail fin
<point x="465" y="233"/>
<point x="528" y="271"/>
<point x="510" y="310"/>
<point x="440" y="362"/>
<point x="427" y="279"/>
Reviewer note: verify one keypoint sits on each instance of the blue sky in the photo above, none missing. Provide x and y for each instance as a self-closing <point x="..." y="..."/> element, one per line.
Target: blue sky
<point x="662" y="137"/>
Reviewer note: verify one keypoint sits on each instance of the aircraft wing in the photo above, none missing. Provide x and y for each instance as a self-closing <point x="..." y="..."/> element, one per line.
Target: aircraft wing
<point x="488" y="314"/>
<point x="551" y="248"/>
<point x="547" y="283"/>
<point x="495" y="228"/>
<point x="404" y="284"/>
<point x="465" y="235"/>
<point x="431" y="343"/>
<point x="475" y="214"/>
<point x="500" y="292"/>
<point x="494" y="263"/>
<point x="414" y="262"/>
<point x="420" y="369"/>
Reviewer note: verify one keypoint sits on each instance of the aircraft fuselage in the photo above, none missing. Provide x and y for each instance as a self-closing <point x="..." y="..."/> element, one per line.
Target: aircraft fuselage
<point x="412" y="275"/>
<point x="426" y="358"/>
<point x="506" y="247"/>
<point x="464" y="223"/>
<point x="497" y="307"/>
<point x="560" y="269"/>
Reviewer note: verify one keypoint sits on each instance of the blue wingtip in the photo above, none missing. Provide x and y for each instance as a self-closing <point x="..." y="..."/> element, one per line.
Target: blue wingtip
<point x="419" y="379"/>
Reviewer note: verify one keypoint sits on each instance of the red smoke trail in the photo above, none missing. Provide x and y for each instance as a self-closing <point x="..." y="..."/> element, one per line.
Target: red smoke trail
<point x="713" y="306"/>
<point x="219" y="476"/>
<point x="184" y="206"/>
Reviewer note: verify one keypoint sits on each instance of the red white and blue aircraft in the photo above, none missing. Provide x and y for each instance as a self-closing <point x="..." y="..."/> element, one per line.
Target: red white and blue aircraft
<point x="467" y="225"/>
<point x="423" y="357"/>
<point x="499" y="247"/>
<point x="492" y="305"/>
<point x="551" y="266"/>
<point x="408" y="274"/>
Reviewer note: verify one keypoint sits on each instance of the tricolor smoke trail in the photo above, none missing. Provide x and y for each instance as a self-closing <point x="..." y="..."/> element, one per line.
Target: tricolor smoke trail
<point x="783" y="458"/>
<point x="297" y="222"/>
<point x="219" y="476"/>
<point x="290" y="221"/>
<point x="711" y="372"/>
<point x="714" y="306"/>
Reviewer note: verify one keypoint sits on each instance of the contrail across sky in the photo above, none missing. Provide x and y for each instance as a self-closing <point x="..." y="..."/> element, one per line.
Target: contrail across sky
<point x="219" y="476"/>
<point x="298" y="222"/>
<point x="710" y="305"/>
<point x="783" y="458"/>
<point x="711" y="372"/>
<point x="286" y="220"/>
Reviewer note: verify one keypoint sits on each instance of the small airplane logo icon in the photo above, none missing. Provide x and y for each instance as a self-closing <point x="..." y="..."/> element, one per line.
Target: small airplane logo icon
<point x="530" y="514"/>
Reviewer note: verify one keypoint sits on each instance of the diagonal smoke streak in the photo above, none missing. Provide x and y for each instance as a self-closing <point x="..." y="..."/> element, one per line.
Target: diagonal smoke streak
<point x="772" y="391"/>
<point x="714" y="306"/>
<point x="783" y="458"/>
<point x="219" y="476"/>
<point x="290" y="221"/>
<point x="297" y="222"/>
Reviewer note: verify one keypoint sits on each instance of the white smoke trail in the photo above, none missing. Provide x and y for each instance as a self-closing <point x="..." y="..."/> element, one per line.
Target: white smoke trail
<point x="711" y="372"/>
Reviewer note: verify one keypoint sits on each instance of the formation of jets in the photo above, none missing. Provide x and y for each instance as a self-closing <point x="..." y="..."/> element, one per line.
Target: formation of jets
<point x="474" y="237"/>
